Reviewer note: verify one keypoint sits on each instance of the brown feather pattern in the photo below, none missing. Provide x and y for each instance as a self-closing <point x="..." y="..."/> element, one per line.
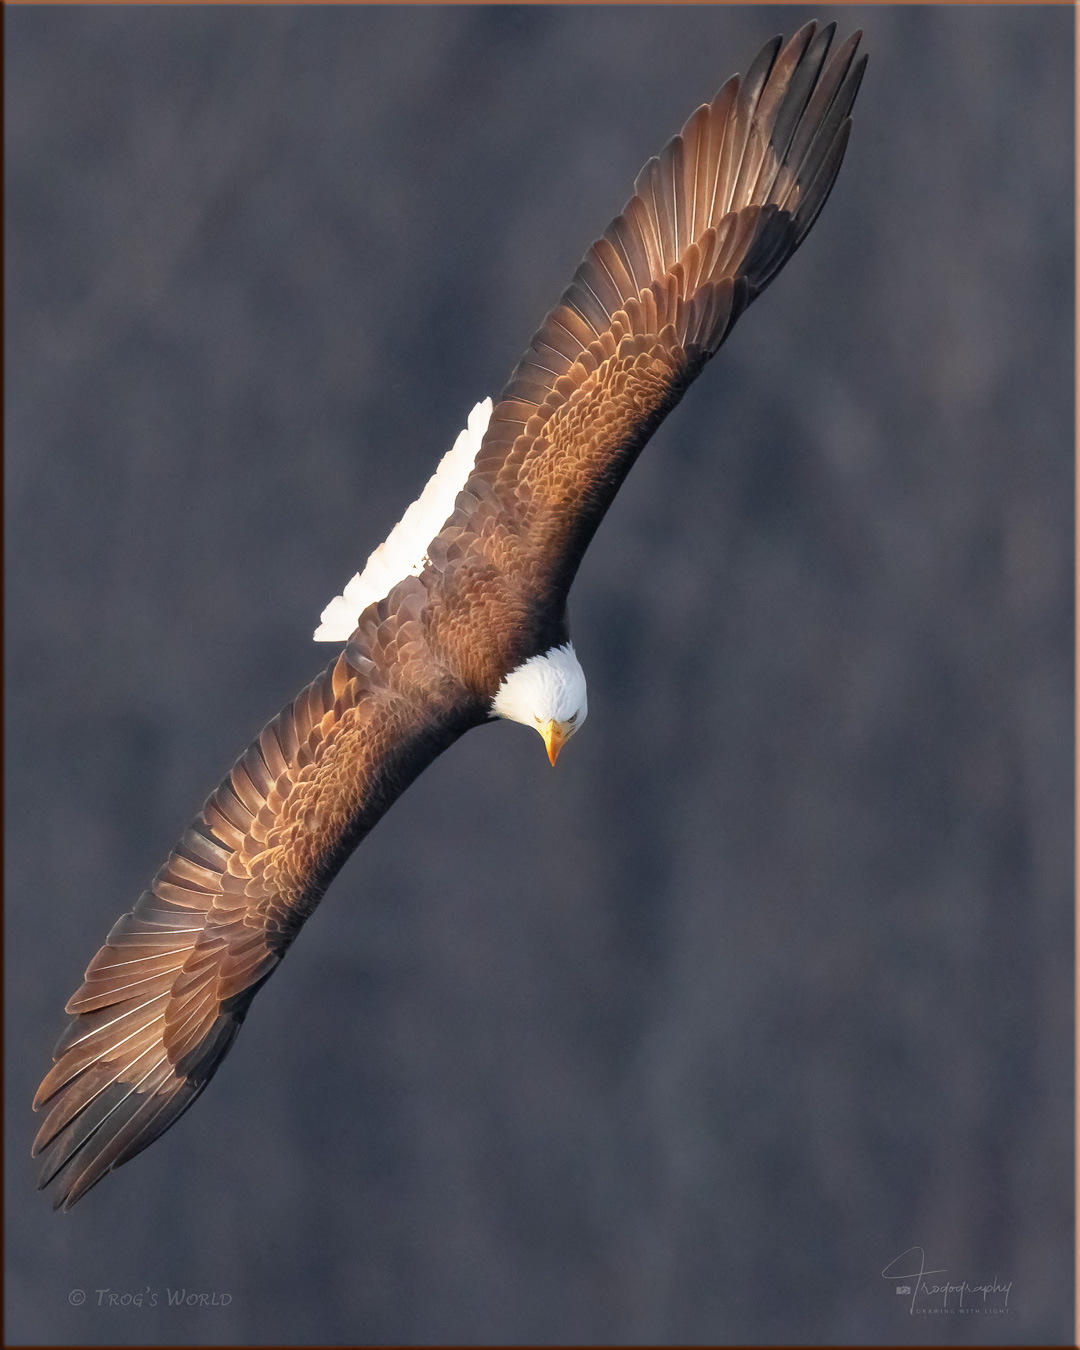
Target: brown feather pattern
<point x="163" y="1000"/>
<point x="712" y="220"/>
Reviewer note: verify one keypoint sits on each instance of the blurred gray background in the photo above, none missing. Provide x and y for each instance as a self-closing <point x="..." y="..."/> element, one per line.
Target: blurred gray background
<point x="771" y="979"/>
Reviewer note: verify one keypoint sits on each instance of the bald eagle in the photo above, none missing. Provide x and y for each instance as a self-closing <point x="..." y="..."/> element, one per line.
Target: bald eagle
<point x="458" y="618"/>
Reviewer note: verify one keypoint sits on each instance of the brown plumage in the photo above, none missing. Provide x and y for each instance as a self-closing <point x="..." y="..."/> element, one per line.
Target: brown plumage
<point x="712" y="221"/>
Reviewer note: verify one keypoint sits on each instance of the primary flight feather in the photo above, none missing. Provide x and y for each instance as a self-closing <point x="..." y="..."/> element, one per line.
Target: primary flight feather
<point x="460" y="616"/>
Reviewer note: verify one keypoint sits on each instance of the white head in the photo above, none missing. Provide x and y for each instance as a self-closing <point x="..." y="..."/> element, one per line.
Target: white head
<point x="548" y="694"/>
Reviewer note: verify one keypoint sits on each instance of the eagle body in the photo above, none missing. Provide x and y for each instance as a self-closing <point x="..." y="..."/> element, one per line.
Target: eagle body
<point x="460" y="616"/>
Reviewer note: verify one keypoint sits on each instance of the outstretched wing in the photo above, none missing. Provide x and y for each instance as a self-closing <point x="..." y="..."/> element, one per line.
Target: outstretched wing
<point x="712" y="222"/>
<point x="164" y="998"/>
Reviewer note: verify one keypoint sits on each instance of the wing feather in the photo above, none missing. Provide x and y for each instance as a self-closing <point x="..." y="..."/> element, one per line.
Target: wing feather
<point x="164" y="998"/>
<point x="713" y="219"/>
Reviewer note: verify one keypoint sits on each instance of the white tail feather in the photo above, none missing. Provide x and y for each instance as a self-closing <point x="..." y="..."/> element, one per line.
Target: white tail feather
<point x="404" y="551"/>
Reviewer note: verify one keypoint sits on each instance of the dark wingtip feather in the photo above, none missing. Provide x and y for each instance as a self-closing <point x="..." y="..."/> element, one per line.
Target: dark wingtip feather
<point x="733" y="195"/>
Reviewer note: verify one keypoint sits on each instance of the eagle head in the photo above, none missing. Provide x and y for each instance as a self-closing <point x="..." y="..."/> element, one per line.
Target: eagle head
<point x="548" y="694"/>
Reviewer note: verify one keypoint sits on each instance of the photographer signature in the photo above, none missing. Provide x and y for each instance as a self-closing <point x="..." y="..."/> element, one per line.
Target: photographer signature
<point x="911" y="1266"/>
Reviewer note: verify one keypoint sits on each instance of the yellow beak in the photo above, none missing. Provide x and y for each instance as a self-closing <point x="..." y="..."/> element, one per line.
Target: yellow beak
<point x="554" y="739"/>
